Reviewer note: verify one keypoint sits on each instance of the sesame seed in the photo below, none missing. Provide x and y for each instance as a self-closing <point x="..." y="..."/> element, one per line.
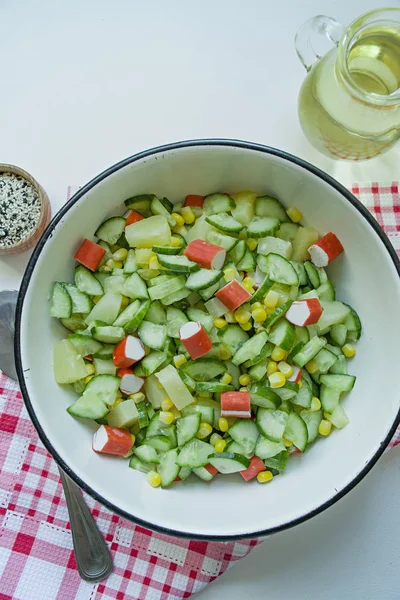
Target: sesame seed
<point x="20" y="208"/>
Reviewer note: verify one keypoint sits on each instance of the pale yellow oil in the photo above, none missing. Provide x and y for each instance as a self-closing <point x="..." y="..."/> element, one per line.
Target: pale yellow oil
<point x="334" y="119"/>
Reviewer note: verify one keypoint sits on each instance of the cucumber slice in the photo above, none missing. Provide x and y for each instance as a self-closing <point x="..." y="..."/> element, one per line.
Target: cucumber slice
<point x="152" y="335"/>
<point x="83" y="344"/>
<point x="280" y="270"/>
<point x="329" y="397"/>
<point x="130" y="265"/>
<point x="271" y="423"/>
<point x="168" y="469"/>
<point x="229" y="462"/>
<point x="143" y="415"/>
<point x="265" y="448"/>
<point x="303" y="396"/>
<point x="88" y="407"/>
<point x="326" y="291"/>
<point x="338" y="334"/>
<point x="178" y="264"/>
<point x="325" y="360"/>
<point x="250" y="349"/>
<point x="333" y="313"/>
<point x="283" y="335"/>
<point x="61" y="302"/>
<point x="217" y="203"/>
<point x="205" y="319"/>
<point x="278" y="462"/>
<point x="244" y="209"/>
<point x="203" y="279"/>
<point x="68" y="364"/>
<point x="219" y="239"/>
<point x="312" y="274"/>
<point x="138" y="465"/>
<point x="154" y="393"/>
<point x="124" y="415"/>
<point x="126" y="316"/>
<point x="114" y="284"/>
<point x="262" y="290"/>
<point x="158" y="428"/>
<point x="263" y="396"/>
<point x="166" y="287"/>
<point x="194" y="454"/>
<point x="233" y="337"/>
<point x="146" y="454"/>
<point x="342" y="383"/>
<point x="86" y="282"/>
<point x="187" y="428"/>
<point x="237" y="449"/>
<point x="264" y="354"/>
<point x="248" y="262"/>
<point x="176" y="296"/>
<point x="135" y="287"/>
<point x="287" y="231"/>
<point x="260" y="227"/>
<point x="296" y="431"/>
<point x="302" y="334"/>
<point x="175" y="319"/>
<point x="238" y="252"/>
<point x="274" y="245"/>
<point x="353" y="326"/>
<point x="209" y="292"/>
<point x="157" y="208"/>
<point x="266" y="206"/>
<point x="150" y="363"/>
<point x="140" y="203"/>
<point x="74" y="323"/>
<point x="245" y="433"/>
<point x="339" y="417"/>
<point x="184" y="473"/>
<point x="108" y="334"/>
<point x="203" y="474"/>
<point x="212" y="386"/>
<point x="225" y="222"/>
<point x="105" y="352"/>
<point x="167" y="249"/>
<point x="103" y="387"/>
<point x="258" y="372"/>
<point x="161" y="443"/>
<point x="288" y="391"/>
<point x="301" y="272"/>
<point x="203" y="369"/>
<point x="81" y="303"/>
<point x="308" y="351"/>
<point x="234" y="372"/>
<point x="111" y="230"/>
<point x="106" y="309"/>
<point x="104" y="367"/>
<point x="339" y="367"/>
<point x="205" y="411"/>
<point x="312" y="419"/>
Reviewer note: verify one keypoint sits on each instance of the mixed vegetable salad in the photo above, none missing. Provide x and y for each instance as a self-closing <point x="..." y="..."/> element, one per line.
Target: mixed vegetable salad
<point x="205" y="337"/>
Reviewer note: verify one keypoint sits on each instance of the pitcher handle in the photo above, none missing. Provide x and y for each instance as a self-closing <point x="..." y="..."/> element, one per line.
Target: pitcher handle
<point x="315" y="37"/>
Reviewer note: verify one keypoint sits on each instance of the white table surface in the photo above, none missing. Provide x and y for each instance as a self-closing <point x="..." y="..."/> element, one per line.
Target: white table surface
<point x="87" y="83"/>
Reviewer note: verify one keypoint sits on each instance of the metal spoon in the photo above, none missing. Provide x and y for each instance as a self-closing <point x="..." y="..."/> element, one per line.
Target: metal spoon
<point x="92" y="555"/>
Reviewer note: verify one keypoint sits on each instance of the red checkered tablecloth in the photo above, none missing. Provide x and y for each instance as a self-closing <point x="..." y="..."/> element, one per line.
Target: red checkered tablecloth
<point x="36" y="556"/>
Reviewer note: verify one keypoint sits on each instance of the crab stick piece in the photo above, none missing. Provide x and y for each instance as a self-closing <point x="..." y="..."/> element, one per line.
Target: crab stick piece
<point x="195" y="339"/>
<point x="256" y="467"/>
<point x="296" y="375"/>
<point x="211" y="469"/>
<point x="90" y="254"/>
<point x="233" y="295"/>
<point x="133" y="217"/>
<point x="130" y="383"/>
<point x="208" y="256"/>
<point x="112" y="440"/>
<point x="235" y="404"/>
<point x="325" y="250"/>
<point x="304" y="312"/>
<point x="194" y="200"/>
<point x="128" y="352"/>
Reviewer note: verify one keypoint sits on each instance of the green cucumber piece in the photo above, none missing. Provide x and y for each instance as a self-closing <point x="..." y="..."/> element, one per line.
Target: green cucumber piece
<point x="81" y="303"/>
<point x="260" y="227"/>
<point x="140" y="203"/>
<point x="168" y="469"/>
<point x="204" y="278"/>
<point x="339" y="417"/>
<point x="329" y="397"/>
<point x="245" y="433"/>
<point x="312" y="274"/>
<point x="74" y="323"/>
<point x="353" y="326"/>
<point x="276" y="246"/>
<point x="224" y="222"/>
<point x="283" y="335"/>
<point x="212" y="386"/>
<point x="342" y="383"/>
<point x="333" y="313"/>
<point x="111" y="230"/>
<point x="130" y="265"/>
<point x="229" y="462"/>
<point x="86" y="282"/>
<point x="266" y="206"/>
<point x="156" y="313"/>
<point x="225" y="241"/>
<point x="106" y="310"/>
<point x="271" y="423"/>
<point x="296" y="431"/>
<point x="146" y="454"/>
<point x="195" y="454"/>
<point x="104" y="387"/>
<point x="88" y="407"/>
<point x="134" y="287"/>
<point x="61" y="302"/>
<point x="238" y="252"/>
<point x="187" y="428"/>
<point x="175" y="296"/>
<point x="166" y="287"/>
<point x="138" y="465"/>
<point x="203" y="369"/>
<point x="287" y="231"/>
<point x="324" y="360"/>
<point x="263" y="396"/>
<point x="104" y="367"/>
<point x="217" y="203"/>
<point x="83" y="344"/>
<point x="175" y="319"/>
<point x="152" y="335"/>
<point x="178" y="264"/>
<point x="312" y="419"/>
<point x="157" y="208"/>
<point x="108" y="334"/>
<point x="280" y="270"/>
<point x="303" y="396"/>
<point x="308" y="351"/>
<point x="338" y="334"/>
<point x="233" y="337"/>
<point x="265" y="448"/>
<point x="250" y="349"/>
<point x="248" y="262"/>
<point x="278" y="462"/>
<point x="202" y="317"/>
<point x="262" y="290"/>
<point x="114" y="284"/>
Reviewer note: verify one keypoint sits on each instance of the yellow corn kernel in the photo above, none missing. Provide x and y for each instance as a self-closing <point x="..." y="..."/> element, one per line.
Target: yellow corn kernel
<point x="271" y="299"/>
<point x="248" y="281"/>
<point x="300" y="384"/>
<point x="348" y="350"/>
<point x="312" y="366"/>
<point x="278" y="354"/>
<point x="215" y="438"/>
<point x="154" y="479"/>
<point x="315" y="404"/>
<point x="287" y="442"/>
<point x="230" y="317"/>
<point x="259" y="315"/>
<point x="243" y="389"/>
<point x="242" y="315"/>
<point x="256" y="305"/>
<point x="272" y="367"/>
<point x="325" y="427"/>
<point x="204" y="431"/>
<point x="224" y="353"/>
<point x="220" y="446"/>
<point x="285" y="368"/>
<point x="179" y="360"/>
<point x="117" y="401"/>
<point x="264" y="477"/>
<point x="125" y="301"/>
<point x="229" y="274"/>
<point x="244" y="379"/>
<point x="277" y="380"/>
<point x="220" y="323"/>
<point x="88" y="378"/>
<point x="133" y="436"/>
<point x="223" y="424"/>
<point x="204" y="394"/>
<point x="90" y="369"/>
<point x="178" y="206"/>
<point x="252" y="244"/>
<point x="166" y="417"/>
<point x="153" y="263"/>
<point x="120" y="254"/>
<point x="248" y="287"/>
<point x="294" y="214"/>
<point x="137" y="397"/>
<point x="175" y="242"/>
<point x="178" y="219"/>
<point x="167" y="404"/>
<point x="245" y="326"/>
<point x="160" y="386"/>
<point x="96" y="299"/>
<point x="177" y="413"/>
<point x="226" y="379"/>
<point x="105" y="269"/>
<point x="114" y="264"/>
<point x="114" y="247"/>
<point x="188" y="215"/>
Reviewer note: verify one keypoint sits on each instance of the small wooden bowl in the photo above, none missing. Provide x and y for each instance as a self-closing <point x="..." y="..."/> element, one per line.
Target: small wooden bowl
<point x="45" y="212"/>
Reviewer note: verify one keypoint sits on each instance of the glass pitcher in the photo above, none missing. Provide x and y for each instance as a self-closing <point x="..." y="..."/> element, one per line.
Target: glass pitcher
<point x="349" y="103"/>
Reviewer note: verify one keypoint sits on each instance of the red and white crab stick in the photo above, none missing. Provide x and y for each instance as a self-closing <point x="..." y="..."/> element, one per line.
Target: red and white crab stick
<point x="256" y="467"/>
<point x="195" y="339"/>
<point x="194" y="200"/>
<point x="128" y="352"/>
<point x="130" y="383"/>
<point x="233" y="295"/>
<point x="236" y="404"/>
<point x="325" y="250"/>
<point x="208" y="256"/>
<point x="112" y="440"/>
<point x="296" y="375"/>
<point x="304" y="312"/>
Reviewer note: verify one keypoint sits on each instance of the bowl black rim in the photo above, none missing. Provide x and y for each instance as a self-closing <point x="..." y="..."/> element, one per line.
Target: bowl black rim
<point x="25" y="283"/>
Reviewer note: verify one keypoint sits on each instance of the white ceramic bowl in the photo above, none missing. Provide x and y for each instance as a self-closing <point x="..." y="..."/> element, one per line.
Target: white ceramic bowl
<point x="366" y="276"/>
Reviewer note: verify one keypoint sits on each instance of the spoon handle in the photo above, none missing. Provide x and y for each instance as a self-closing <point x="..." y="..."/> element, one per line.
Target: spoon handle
<point x="92" y="555"/>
